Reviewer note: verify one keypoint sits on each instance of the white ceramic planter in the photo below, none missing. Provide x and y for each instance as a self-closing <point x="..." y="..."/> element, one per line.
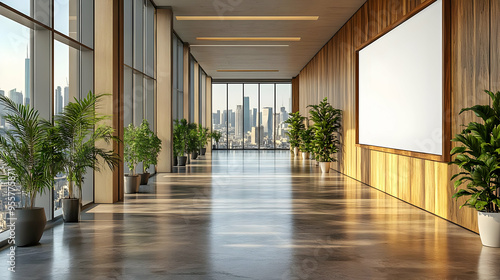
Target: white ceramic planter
<point x="296" y="151"/>
<point x="325" y="167"/>
<point x="489" y="228"/>
<point x="305" y="155"/>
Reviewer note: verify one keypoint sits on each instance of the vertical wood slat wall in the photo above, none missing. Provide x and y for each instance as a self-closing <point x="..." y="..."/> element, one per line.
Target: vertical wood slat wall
<point x="475" y="67"/>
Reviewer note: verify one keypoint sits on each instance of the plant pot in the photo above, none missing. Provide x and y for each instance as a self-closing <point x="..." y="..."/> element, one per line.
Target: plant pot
<point x="145" y="178"/>
<point x="213" y="147"/>
<point x="325" y="167"/>
<point x="71" y="210"/>
<point x="175" y="161"/>
<point x="203" y="151"/>
<point x="305" y="155"/>
<point x="132" y="183"/>
<point x="30" y="225"/>
<point x="194" y="155"/>
<point x="489" y="228"/>
<point x="181" y="161"/>
<point x="296" y="151"/>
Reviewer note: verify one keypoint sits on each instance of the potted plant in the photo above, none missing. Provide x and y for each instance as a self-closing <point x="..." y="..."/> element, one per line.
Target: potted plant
<point x="79" y="128"/>
<point x="295" y="126"/>
<point x="327" y="124"/>
<point x="181" y="136"/>
<point x="306" y="142"/>
<point x="151" y="149"/>
<point x="28" y="149"/>
<point x="216" y="135"/>
<point x="478" y="158"/>
<point x="193" y="141"/>
<point x="134" y="144"/>
<point x="203" y="136"/>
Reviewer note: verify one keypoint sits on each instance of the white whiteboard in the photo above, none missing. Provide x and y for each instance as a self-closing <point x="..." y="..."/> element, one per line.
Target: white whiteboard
<point x="401" y="86"/>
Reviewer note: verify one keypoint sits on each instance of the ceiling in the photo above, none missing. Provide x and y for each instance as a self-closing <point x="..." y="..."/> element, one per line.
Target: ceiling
<point x="288" y="60"/>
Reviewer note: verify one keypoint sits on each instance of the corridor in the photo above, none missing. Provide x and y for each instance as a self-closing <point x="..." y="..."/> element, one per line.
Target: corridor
<point x="256" y="215"/>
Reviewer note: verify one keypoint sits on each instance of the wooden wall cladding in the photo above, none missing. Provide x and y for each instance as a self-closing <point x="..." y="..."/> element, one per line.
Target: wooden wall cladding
<point x="475" y="66"/>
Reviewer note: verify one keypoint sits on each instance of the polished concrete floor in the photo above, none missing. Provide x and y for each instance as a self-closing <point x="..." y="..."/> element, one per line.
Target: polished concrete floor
<point x="256" y="215"/>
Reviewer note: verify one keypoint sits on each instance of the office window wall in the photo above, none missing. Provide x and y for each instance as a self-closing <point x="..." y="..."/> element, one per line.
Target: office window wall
<point x="177" y="78"/>
<point x="139" y="77"/>
<point x="45" y="66"/>
<point x="251" y="115"/>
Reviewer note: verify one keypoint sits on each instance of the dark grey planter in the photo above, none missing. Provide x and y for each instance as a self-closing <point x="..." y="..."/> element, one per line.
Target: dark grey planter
<point x="71" y="210"/>
<point x="181" y="161"/>
<point x="145" y="178"/>
<point x="132" y="183"/>
<point x="175" y="161"/>
<point x="194" y="155"/>
<point x="203" y="151"/>
<point x="30" y="225"/>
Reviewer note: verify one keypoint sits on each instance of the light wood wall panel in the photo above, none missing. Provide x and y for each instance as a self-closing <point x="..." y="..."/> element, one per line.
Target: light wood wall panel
<point x="331" y="73"/>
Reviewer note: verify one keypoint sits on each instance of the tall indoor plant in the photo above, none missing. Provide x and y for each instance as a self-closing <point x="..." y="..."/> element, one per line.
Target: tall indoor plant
<point x="216" y="135"/>
<point x="181" y="140"/>
<point x="306" y="142"/>
<point x="193" y="142"/>
<point x="79" y="128"/>
<point x="151" y="149"/>
<point x="295" y="126"/>
<point x="327" y="124"/>
<point x="134" y="142"/>
<point x="478" y="158"/>
<point x="203" y="136"/>
<point x="28" y="149"/>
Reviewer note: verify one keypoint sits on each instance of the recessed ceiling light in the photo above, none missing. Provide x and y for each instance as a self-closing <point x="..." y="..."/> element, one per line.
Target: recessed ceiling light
<point x="253" y="39"/>
<point x="247" y="17"/>
<point x="239" y="45"/>
<point x="246" y="70"/>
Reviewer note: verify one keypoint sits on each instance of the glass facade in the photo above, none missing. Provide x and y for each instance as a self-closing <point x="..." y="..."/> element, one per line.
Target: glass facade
<point x="177" y="78"/>
<point x="139" y="77"/>
<point x="251" y="115"/>
<point x="32" y="52"/>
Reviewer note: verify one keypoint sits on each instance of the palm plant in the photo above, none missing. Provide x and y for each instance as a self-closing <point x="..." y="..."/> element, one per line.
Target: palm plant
<point x="295" y="126"/>
<point x="327" y="124"/>
<point x="79" y="128"/>
<point x="478" y="158"/>
<point x="28" y="149"/>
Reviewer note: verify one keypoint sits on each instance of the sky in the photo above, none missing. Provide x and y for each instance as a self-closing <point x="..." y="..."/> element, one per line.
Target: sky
<point x="15" y="40"/>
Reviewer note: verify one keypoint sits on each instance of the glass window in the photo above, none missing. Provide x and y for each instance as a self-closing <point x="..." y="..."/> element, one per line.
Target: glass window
<point x="283" y="108"/>
<point x="267" y="116"/>
<point x="235" y="115"/>
<point x="250" y="105"/>
<point x="219" y="113"/>
<point x="66" y="17"/>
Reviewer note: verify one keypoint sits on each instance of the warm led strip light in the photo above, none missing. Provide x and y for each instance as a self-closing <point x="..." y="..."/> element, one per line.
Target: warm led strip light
<point x="253" y="39"/>
<point x="247" y="17"/>
<point x="246" y="70"/>
<point x="239" y="45"/>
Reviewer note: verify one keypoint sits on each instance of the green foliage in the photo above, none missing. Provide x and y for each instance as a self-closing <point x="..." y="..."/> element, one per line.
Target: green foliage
<point x="216" y="135"/>
<point x="148" y="155"/>
<point x="135" y="143"/>
<point x="29" y="149"/>
<point x="184" y="137"/>
<point x="327" y="124"/>
<point x="478" y="158"/>
<point x="203" y="136"/>
<point x="306" y="140"/>
<point x="295" y="126"/>
<point x="79" y="128"/>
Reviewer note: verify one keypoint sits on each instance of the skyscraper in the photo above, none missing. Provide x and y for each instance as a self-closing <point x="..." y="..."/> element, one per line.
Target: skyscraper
<point x="230" y="118"/>
<point x="246" y="109"/>
<point x="254" y="117"/>
<point x="267" y="121"/>
<point x="223" y="120"/>
<point x="27" y="79"/>
<point x="239" y="121"/>
<point x="233" y="118"/>
<point x="66" y="97"/>
<point x="16" y="96"/>
<point x="58" y="100"/>
<point x="283" y="114"/>
<point x="217" y="117"/>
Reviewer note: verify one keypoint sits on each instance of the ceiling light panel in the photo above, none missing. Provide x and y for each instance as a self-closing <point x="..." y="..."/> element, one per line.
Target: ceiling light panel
<point x="251" y="39"/>
<point x="247" y="17"/>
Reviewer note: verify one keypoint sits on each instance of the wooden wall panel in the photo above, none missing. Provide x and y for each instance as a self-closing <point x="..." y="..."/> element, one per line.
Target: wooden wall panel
<point x="331" y="73"/>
